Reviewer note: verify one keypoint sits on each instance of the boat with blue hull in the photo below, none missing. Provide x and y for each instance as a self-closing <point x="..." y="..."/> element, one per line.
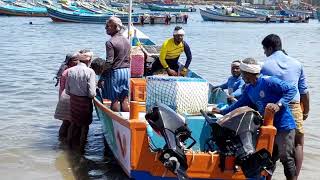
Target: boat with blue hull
<point x="10" y="10"/>
<point x="61" y="15"/>
<point x="132" y="142"/>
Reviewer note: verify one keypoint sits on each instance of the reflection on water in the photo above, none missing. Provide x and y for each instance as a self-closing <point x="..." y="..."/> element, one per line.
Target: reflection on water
<point x="31" y="54"/>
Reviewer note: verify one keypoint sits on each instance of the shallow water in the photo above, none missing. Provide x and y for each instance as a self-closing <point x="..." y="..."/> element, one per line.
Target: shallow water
<point x="31" y="54"/>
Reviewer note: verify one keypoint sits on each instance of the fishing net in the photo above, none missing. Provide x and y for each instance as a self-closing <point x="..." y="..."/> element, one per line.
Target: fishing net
<point x="184" y="95"/>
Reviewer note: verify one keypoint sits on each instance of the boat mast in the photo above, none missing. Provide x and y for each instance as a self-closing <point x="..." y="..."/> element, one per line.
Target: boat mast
<point x="129" y="21"/>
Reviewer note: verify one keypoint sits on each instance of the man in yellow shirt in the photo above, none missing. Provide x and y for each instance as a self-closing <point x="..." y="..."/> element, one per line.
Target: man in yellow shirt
<point x="170" y="52"/>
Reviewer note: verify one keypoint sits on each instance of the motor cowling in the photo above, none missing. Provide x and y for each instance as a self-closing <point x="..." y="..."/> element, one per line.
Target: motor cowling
<point x="174" y="130"/>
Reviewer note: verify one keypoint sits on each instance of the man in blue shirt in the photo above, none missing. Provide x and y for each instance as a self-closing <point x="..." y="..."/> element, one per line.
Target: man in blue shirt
<point x="286" y="68"/>
<point x="273" y="94"/>
<point x="234" y="83"/>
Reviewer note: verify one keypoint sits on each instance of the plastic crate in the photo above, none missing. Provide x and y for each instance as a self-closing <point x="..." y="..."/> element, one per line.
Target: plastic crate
<point x="138" y="89"/>
<point x="137" y="62"/>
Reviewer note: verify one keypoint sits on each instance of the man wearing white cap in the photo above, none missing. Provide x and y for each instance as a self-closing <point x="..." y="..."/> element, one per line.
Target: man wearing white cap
<point x="265" y="92"/>
<point x="170" y="52"/>
<point x="117" y="73"/>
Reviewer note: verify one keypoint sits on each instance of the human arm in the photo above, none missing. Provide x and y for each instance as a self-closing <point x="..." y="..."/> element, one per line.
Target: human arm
<point x="92" y="84"/>
<point x="187" y="51"/>
<point x="110" y="53"/>
<point x="243" y="101"/>
<point x="278" y="86"/>
<point x="63" y="82"/>
<point x="304" y="94"/>
<point x="237" y="93"/>
<point x="67" y="86"/>
<point x="163" y="54"/>
<point x="304" y="100"/>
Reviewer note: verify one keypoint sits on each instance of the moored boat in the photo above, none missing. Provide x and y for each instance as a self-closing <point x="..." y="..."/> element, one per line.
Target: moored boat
<point x="60" y="15"/>
<point x="215" y="15"/>
<point x="129" y="139"/>
<point x="10" y="10"/>
<point x="155" y="7"/>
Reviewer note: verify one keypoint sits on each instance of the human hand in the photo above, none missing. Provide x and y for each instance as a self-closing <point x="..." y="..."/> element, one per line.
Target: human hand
<point x="100" y="83"/>
<point x="305" y="116"/>
<point x="216" y="110"/>
<point x="172" y="72"/>
<point x="184" y="72"/>
<point x="273" y="107"/>
<point x="231" y="98"/>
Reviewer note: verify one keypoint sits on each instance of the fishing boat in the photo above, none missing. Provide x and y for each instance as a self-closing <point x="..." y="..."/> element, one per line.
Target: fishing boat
<point x="61" y="15"/>
<point x="10" y="10"/>
<point x="216" y="15"/>
<point x="156" y="7"/>
<point x="128" y="137"/>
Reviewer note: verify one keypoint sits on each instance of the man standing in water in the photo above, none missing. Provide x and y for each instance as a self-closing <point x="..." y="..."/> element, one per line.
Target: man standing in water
<point x="81" y="86"/>
<point x="117" y="73"/>
<point x="273" y="94"/>
<point x="286" y="68"/>
<point x="170" y="52"/>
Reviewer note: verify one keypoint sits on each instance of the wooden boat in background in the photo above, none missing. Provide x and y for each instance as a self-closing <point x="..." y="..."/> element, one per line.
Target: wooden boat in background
<point x="216" y="15"/>
<point x="127" y="137"/>
<point x="60" y="15"/>
<point x="155" y="7"/>
<point x="10" y="10"/>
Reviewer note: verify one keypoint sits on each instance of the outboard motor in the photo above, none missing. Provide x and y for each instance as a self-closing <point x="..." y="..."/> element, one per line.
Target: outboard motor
<point x="236" y="135"/>
<point x="174" y="130"/>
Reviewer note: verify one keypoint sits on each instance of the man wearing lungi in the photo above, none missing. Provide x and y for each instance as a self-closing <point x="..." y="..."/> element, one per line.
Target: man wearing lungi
<point x="81" y="86"/>
<point x="117" y="73"/>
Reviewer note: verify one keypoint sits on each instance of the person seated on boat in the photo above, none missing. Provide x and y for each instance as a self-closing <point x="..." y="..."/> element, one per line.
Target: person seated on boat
<point x="81" y="87"/>
<point x="170" y="52"/>
<point x="273" y="94"/>
<point x="234" y="83"/>
<point x="117" y="73"/>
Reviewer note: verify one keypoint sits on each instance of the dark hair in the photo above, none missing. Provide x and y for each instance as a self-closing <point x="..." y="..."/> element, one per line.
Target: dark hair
<point x="177" y="28"/>
<point x="98" y="65"/>
<point x="236" y="61"/>
<point x="272" y="41"/>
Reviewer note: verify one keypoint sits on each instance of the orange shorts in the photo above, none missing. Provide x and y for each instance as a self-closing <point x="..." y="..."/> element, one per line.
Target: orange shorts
<point x="298" y="116"/>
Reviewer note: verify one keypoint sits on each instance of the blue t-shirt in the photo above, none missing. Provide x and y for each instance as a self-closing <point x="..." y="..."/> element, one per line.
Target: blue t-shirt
<point x="269" y="90"/>
<point x="234" y="86"/>
<point x="287" y="69"/>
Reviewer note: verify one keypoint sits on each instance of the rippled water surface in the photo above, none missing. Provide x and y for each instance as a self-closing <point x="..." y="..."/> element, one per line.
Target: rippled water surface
<point x="31" y="54"/>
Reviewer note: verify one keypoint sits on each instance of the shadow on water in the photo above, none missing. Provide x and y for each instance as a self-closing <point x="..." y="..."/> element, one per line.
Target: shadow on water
<point x="97" y="163"/>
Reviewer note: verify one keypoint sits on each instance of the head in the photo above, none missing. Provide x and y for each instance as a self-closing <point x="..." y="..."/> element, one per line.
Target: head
<point x="68" y="57"/>
<point x="235" y="68"/>
<point x="271" y="44"/>
<point x="178" y="34"/>
<point x="98" y="65"/>
<point x="73" y="61"/>
<point x="113" y="25"/>
<point x="87" y="53"/>
<point x="250" y="70"/>
<point x="85" y="57"/>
